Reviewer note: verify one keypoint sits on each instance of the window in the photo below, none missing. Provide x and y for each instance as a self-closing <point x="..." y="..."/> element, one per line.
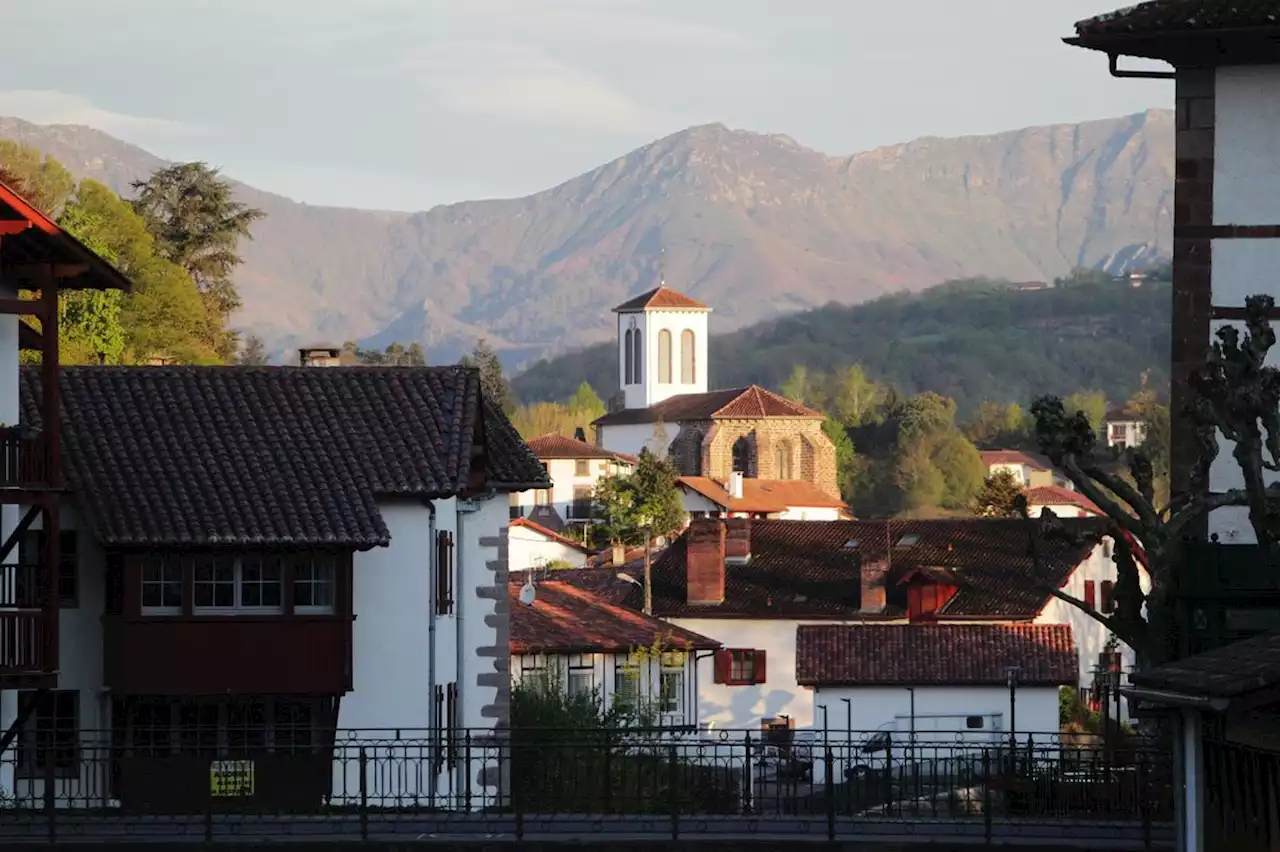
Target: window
<point x="31" y="553"/>
<point x="1108" y="590"/>
<point x="1118" y="431"/>
<point x="664" y="357"/>
<point x="582" y="502"/>
<point x="782" y="461"/>
<point x="973" y="723"/>
<point x="51" y="739"/>
<point x="218" y="726"/>
<point x="671" y="690"/>
<point x="517" y="511"/>
<point x="688" y="358"/>
<point x="628" y="357"/>
<point x="1090" y="595"/>
<point x="582" y="467"/>
<point x="638" y="358"/>
<point x="250" y="583"/>
<point x="742" y="456"/>
<point x="261" y="582"/>
<point x="626" y="685"/>
<point x="541" y="497"/>
<point x="214" y="584"/>
<point x="582" y="679"/>
<point x="314" y="584"/>
<point x="739" y="667"/>
<point x="161" y="586"/>
<point x="444" y="572"/>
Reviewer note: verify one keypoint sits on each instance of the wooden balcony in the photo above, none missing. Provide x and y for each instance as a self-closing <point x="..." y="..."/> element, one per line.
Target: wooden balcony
<point x="23" y="649"/>
<point x="23" y="459"/>
<point x="227" y="655"/>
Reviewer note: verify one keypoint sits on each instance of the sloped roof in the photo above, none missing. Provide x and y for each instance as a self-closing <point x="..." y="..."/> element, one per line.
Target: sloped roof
<point x="555" y="446"/>
<point x="31" y="237"/>
<point x="1173" y="16"/>
<point x="1056" y="495"/>
<point x="1035" y="462"/>
<point x="550" y="535"/>
<point x="762" y="495"/>
<point x="750" y="403"/>
<point x="661" y="299"/>
<point x="935" y="654"/>
<point x="1231" y="671"/>
<point x="566" y="618"/>
<point x="272" y="456"/>
<point x="813" y="568"/>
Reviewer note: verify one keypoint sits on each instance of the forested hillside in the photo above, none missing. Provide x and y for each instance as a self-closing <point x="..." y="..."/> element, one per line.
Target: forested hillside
<point x="972" y="341"/>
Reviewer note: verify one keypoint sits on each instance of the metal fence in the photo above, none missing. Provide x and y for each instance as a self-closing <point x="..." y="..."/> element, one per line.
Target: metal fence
<point x="1043" y="788"/>
<point x="1242" y="797"/>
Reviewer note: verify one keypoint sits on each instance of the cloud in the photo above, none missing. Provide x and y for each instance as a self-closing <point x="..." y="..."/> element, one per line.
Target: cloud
<point x="43" y="106"/>
<point x="514" y="81"/>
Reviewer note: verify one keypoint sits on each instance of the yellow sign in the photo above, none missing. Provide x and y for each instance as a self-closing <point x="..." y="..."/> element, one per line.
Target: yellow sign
<point x="231" y="778"/>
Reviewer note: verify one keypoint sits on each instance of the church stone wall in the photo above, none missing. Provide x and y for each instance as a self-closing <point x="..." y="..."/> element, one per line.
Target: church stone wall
<point x="813" y="457"/>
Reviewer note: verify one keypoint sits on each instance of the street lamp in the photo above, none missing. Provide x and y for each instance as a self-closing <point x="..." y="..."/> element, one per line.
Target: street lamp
<point x="1012" y="673"/>
<point x="912" y="691"/>
<point x="848" y="720"/>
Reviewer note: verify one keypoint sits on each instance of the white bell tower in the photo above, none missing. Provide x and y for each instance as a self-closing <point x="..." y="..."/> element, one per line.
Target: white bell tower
<point x="662" y="347"/>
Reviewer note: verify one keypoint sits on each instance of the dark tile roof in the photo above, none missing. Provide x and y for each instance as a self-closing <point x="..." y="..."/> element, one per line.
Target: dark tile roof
<point x="660" y="299"/>
<point x="566" y="618"/>
<point x="559" y="447"/>
<point x="807" y="568"/>
<point x="208" y="456"/>
<point x="749" y="403"/>
<point x="1228" y="672"/>
<point x="935" y="654"/>
<point x="1174" y="16"/>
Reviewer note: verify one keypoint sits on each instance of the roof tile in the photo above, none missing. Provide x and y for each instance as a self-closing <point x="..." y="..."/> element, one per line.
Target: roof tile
<point x="661" y="299"/>
<point x="555" y="446"/>
<point x="749" y="403"/>
<point x="1234" y="670"/>
<point x="763" y="495"/>
<point x="1171" y="16"/>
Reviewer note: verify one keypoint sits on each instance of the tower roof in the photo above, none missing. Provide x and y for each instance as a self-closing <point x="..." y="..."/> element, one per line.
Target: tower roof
<point x="661" y="299"/>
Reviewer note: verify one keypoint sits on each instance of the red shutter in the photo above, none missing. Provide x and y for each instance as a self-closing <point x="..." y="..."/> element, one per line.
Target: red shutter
<point x="1090" y="598"/>
<point x="723" y="661"/>
<point x="1108" y="596"/>
<point x="760" y="671"/>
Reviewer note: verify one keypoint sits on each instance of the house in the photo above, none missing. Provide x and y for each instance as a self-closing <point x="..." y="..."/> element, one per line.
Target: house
<point x="1123" y="428"/>
<point x="985" y="679"/>
<point x="740" y="497"/>
<point x="263" y="555"/>
<point x="586" y="644"/>
<point x="666" y="407"/>
<point x="751" y="584"/>
<point x="1032" y="470"/>
<point x="574" y="467"/>
<point x="39" y="588"/>
<point x="1063" y="502"/>
<point x="531" y="545"/>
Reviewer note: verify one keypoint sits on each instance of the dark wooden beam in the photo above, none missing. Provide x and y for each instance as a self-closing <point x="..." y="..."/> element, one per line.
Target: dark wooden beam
<point x="50" y="402"/>
<point x="9" y="227"/>
<point x="24" y="307"/>
<point x="9" y="543"/>
<point x="38" y="271"/>
<point x="25" y="709"/>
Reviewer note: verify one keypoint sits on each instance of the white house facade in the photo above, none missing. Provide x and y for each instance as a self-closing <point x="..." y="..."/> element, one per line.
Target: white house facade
<point x="575" y="467"/>
<point x="740" y="497"/>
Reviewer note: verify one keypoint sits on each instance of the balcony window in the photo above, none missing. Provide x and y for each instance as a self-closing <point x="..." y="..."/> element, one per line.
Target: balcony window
<point x="161" y="586"/>
<point x="54" y="737"/>
<point x="313" y="585"/>
<point x="235" y="584"/>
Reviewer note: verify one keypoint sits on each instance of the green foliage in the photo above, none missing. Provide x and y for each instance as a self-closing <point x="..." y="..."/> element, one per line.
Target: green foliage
<point x="971" y="341"/>
<point x="41" y="180"/>
<point x="642" y="504"/>
<point x="1092" y="403"/>
<point x="551" y="418"/>
<point x="1001" y="426"/>
<point x="253" y="352"/>
<point x="999" y="496"/>
<point x="395" y="355"/>
<point x="587" y="401"/>
<point x="492" y="380"/>
<point x="89" y="321"/>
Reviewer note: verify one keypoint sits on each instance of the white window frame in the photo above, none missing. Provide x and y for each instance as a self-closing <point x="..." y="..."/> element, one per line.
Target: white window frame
<point x="305" y="572"/>
<point x="671" y="705"/>
<point x="237" y="584"/>
<point x="167" y="568"/>
<point x="580" y="665"/>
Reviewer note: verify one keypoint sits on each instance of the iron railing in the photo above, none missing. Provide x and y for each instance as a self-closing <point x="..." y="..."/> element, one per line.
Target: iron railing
<point x="1242" y="797"/>
<point x="176" y="783"/>
<point x="22" y="458"/>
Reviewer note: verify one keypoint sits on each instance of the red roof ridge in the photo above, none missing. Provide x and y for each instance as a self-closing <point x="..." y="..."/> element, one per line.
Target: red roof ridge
<point x="549" y="533"/>
<point x="661" y="297"/>
<point x="553" y="445"/>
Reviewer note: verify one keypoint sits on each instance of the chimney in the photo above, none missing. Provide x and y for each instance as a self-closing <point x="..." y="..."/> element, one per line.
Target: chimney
<point x="737" y="540"/>
<point x="704" y="562"/>
<point x="735" y="485"/>
<point x="619" y="555"/>
<point x="579" y="434"/>
<point x="319" y="356"/>
<point x="873" y="586"/>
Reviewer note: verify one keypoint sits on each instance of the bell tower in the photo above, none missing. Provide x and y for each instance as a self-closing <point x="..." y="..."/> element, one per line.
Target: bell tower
<point x="662" y="347"/>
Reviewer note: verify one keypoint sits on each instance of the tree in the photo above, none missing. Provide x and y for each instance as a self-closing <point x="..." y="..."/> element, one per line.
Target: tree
<point x="41" y="180"/>
<point x="1092" y="403"/>
<point x="90" y="330"/>
<point x="1000" y="426"/>
<point x="492" y="380"/>
<point x="586" y="402"/>
<point x="852" y="397"/>
<point x="1233" y="393"/>
<point x="198" y="225"/>
<point x="253" y="352"/>
<point x="999" y="495"/>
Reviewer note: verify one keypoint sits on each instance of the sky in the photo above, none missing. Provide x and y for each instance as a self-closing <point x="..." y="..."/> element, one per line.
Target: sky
<point x="406" y="104"/>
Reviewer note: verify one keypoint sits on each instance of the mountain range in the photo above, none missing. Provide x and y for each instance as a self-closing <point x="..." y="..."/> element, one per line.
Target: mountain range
<point x="754" y="225"/>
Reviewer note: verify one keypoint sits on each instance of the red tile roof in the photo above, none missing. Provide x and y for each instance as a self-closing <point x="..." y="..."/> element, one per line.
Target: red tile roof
<point x="661" y="299"/>
<point x="551" y="535"/>
<point x="935" y="654"/>
<point x="812" y="568"/>
<point x="32" y="237"/>
<point x="1056" y="495"/>
<point x="555" y="446"/>
<point x="1180" y="16"/>
<point x="749" y="403"/>
<point x="565" y="619"/>
<point x="994" y="457"/>
<point x="763" y="495"/>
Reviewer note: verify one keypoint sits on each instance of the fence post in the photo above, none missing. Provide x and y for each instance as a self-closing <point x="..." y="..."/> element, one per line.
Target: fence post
<point x="208" y="813"/>
<point x="364" y="794"/>
<point x="1144" y="794"/>
<point x="466" y="769"/>
<point x="50" y="788"/>
<point x="517" y="805"/>
<point x="830" y="769"/>
<point x="748" y="775"/>
<point x="986" y="794"/>
<point x="608" y="773"/>
<point x="673" y="776"/>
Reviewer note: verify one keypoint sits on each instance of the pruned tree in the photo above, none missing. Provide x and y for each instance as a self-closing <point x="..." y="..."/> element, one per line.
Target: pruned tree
<point x="1234" y="393"/>
<point x="998" y="497"/>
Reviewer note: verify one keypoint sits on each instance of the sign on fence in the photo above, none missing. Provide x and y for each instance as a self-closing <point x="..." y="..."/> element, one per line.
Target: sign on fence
<point x="230" y="778"/>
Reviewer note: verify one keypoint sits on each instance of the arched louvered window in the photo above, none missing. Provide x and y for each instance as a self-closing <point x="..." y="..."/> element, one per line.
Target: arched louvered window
<point x="637" y="359"/>
<point x="628" y="357"/>
<point x="664" y="357"/>
<point x="688" y="358"/>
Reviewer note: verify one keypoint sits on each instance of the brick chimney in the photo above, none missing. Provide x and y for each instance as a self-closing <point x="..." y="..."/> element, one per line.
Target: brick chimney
<point x="704" y="562"/>
<point x="737" y="540"/>
<point x="873" y="586"/>
<point x="320" y="356"/>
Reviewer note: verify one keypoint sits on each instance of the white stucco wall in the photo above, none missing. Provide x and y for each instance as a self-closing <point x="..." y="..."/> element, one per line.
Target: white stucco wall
<point x="565" y="479"/>
<point x="631" y="438"/>
<point x="1246" y="182"/>
<point x="528" y="548"/>
<point x="651" y="323"/>
<point x="939" y="710"/>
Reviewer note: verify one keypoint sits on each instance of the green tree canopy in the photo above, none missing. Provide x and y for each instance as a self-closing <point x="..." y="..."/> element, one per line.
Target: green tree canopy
<point x="41" y="180"/>
<point x="1001" y="426"/>
<point x="641" y="504"/>
<point x="999" y="496"/>
<point x="492" y="379"/>
<point x="1092" y="403"/>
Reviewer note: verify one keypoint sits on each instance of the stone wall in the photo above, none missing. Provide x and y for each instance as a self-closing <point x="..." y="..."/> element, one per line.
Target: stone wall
<point x="706" y="448"/>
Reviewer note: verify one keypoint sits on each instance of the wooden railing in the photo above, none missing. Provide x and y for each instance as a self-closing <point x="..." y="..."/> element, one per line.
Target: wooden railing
<point x="20" y="586"/>
<point x="22" y="458"/>
<point x="22" y="638"/>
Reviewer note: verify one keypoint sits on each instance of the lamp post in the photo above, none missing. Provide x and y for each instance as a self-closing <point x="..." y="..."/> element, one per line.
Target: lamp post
<point x="912" y="691"/>
<point x="848" y="720"/>
<point x="1012" y="673"/>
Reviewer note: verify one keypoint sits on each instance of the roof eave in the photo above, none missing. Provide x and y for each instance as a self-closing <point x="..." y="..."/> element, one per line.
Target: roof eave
<point x="1172" y="46"/>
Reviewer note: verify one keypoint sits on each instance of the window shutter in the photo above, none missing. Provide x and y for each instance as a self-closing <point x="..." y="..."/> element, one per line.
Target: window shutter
<point x="761" y="676"/>
<point x="723" y="661"/>
<point x="1090" y="596"/>
<point x="444" y="572"/>
<point x="1108" y="590"/>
